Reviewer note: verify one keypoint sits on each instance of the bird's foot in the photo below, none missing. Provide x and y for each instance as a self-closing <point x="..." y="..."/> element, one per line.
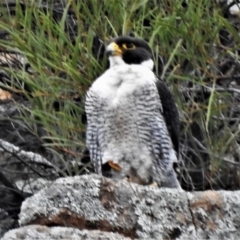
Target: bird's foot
<point x="114" y="166"/>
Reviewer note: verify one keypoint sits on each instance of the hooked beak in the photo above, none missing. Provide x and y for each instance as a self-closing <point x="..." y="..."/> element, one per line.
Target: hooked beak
<point x="113" y="50"/>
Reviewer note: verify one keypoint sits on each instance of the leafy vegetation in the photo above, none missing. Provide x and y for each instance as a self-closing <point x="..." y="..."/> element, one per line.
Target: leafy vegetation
<point x="58" y="52"/>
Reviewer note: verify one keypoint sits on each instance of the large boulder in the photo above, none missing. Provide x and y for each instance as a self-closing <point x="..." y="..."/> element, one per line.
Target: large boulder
<point x="91" y="202"/>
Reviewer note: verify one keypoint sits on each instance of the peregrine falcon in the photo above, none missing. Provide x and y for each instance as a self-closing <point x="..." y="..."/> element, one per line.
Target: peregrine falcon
<point x="131" y="118"/>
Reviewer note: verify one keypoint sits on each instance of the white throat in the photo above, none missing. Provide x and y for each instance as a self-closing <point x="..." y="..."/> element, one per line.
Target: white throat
<point x="117" y="60"/>
<point x="148" y="63"/>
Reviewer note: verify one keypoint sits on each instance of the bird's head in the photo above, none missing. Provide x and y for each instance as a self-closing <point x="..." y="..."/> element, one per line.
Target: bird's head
<point x="129" y="50"/>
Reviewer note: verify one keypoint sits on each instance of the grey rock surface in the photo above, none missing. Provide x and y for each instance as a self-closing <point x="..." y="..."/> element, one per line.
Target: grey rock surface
<point x="92" y="202"/>
<point x="33" y="185"/>
<point x="43" y="232"/>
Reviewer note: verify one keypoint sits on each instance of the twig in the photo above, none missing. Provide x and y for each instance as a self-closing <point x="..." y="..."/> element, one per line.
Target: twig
<point x="32" y="157"/>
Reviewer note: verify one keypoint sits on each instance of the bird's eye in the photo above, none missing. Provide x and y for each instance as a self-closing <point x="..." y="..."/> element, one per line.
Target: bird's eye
<point x="128" y="46"/>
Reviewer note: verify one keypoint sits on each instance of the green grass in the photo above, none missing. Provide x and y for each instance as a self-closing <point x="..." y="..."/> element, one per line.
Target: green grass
<point x="187" y="38"/>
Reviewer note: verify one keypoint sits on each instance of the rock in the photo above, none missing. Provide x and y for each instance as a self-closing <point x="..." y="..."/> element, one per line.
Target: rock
<point x="43" y="232"/>
<point x="216" y="214"/>
<point x="92" y="202"/>
<point x="32" y="185"/>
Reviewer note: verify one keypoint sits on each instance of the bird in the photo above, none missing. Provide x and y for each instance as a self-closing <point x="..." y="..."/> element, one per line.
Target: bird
<point x="132" y="119"/>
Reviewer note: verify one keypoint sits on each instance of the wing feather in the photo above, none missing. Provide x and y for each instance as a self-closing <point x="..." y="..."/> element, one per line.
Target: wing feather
<point x="170" y="113"/>
<point x="92" y="108"/>
<point x="160" y="141"/>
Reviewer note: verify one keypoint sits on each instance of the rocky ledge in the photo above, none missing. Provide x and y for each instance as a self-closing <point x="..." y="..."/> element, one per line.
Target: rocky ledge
<point x="94" y="207"/>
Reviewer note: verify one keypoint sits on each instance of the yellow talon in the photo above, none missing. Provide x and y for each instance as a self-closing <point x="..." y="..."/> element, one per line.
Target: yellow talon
<point x="114" y="166"/>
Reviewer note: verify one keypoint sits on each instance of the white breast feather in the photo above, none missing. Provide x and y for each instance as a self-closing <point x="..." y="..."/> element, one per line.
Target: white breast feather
<point x="119" y="81"/>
